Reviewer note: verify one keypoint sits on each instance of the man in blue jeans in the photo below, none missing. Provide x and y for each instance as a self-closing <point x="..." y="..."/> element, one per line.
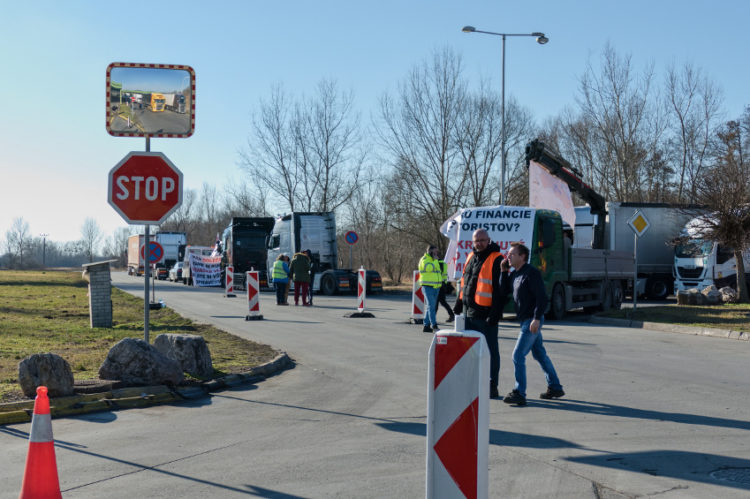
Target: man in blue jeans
<point x="527" y="286"/>
<point x="431" y="279"/>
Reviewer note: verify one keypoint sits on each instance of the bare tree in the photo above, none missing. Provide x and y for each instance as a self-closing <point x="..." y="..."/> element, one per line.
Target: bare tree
<point x="18" y="239"/>
<point x="91" y="235"/>
<point x="694" y="103"/>
<point x="306" y="152"/>
<point x="725" y="190"/>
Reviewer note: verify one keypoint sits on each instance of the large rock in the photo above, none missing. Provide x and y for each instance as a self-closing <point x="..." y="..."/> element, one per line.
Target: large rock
<point x="728" y="294"/>
<point x="190" y="350"/>
<point x="712" y="295"/>
<point x="690" y="297"/>
<point x="135" y="362"/>
<point x="45" y="369"/>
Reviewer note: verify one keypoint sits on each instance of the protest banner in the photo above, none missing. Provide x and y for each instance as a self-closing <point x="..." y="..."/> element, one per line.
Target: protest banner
<point x="205" y="270"/>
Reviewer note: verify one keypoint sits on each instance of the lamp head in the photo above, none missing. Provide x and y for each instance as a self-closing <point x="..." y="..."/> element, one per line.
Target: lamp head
<point x="468" y="29"/>
<point x="540" y="38"/>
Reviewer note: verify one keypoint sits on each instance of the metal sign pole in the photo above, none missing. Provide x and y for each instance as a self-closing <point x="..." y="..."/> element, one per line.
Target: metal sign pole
<point x="146" y="272"/>
<point x="635" y="271"/>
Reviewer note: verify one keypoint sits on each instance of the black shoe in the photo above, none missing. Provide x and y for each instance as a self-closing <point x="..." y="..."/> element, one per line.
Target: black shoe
<point x="551" y="393"/>
<point x="427" y="329"/>
<point x="451" y="318"/>
<point x="515" y="398"/>
<point x="494" y="394"/>
<point x="435" y="328"/>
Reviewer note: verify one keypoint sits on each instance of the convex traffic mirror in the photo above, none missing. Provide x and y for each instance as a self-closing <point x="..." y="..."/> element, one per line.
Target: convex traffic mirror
<point x="155" y="100"/>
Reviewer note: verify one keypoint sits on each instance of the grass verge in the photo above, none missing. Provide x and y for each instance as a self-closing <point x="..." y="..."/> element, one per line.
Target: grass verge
<point x="48" y="312"/>
<point x="734" y="316"/>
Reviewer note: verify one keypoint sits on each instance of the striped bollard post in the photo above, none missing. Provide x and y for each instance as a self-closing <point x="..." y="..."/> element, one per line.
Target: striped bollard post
<point x="361" y="290"/>
<point x="417" y="301"/>
<point x="252" y="285"/>
<point x="458" y="415"/>
<point x="229" y="282"/>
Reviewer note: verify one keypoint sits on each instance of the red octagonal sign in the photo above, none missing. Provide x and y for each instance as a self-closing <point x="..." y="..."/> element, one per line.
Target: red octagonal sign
<point x="145" y="188"/>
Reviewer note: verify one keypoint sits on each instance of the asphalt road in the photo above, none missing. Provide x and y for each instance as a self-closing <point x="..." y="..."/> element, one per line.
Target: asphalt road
<point x="647" y="414"/>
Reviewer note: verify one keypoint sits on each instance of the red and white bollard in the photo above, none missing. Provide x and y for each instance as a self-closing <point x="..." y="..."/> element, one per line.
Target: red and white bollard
<point x="229" y="282"/>
<point x="458" y="415"/>
<point x="361" y="289"/>
<point x="252" y="285"/>
<point x="417" y="301"/>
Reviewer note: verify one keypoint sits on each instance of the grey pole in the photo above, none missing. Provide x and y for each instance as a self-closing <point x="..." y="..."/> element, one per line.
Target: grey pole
<point x="503" y="137"/>
<point x="146" y="269"/>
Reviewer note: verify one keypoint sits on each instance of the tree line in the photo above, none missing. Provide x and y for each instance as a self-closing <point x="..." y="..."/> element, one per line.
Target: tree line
<point x="433" y="146"/>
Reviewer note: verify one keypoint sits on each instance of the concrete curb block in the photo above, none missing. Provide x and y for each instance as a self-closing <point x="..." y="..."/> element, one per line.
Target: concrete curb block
<point x="140" y="396"/>
<point x="672" y="328"/>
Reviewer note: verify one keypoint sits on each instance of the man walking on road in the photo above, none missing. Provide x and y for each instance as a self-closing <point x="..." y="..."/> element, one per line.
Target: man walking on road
<point x="479" y="293"/>
<point x="527" y="286"/>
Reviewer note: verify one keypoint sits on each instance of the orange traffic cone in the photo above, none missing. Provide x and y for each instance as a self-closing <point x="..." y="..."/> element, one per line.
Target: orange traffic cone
<point x="40" y="477"/>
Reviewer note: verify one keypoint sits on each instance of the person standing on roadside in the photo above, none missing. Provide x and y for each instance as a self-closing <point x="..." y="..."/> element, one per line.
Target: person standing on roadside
<point x="313" y="271"/>
<point x="280" y="277"/>
<point x="430" y="278"/>
<point x="301" y="276"/>
<point x="288" y="282"/>
<point x="530" y="298"/>
<point x="446" y="288"/>
<point x="479" y="294"/>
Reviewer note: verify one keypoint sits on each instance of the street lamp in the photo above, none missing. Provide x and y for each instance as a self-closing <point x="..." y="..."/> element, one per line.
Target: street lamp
<point x="541" y="40"/>
<point x="44" y="248"/>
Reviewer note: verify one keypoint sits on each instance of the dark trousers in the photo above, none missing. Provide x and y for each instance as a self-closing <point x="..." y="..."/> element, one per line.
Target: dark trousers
<point x="280" y="291"/>
<point x="490" y="334"/>
<point x="300" y="288"/>
<point x="442" y="301"/>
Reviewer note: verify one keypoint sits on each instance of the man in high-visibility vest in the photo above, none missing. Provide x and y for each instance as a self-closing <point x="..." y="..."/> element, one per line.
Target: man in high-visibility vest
<point x="431" y="279"/>
<point x="479" y="293"/>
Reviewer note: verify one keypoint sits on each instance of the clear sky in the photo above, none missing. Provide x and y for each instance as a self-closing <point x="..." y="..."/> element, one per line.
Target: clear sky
<point x="55" y="153"/>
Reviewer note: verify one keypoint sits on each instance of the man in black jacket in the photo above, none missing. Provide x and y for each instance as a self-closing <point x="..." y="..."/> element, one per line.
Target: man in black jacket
<point x="479" y="293"/>
<point x="530" y="298"/>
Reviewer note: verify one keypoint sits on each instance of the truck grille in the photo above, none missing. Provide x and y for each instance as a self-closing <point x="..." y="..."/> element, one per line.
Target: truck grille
<point x="690" y="273"/>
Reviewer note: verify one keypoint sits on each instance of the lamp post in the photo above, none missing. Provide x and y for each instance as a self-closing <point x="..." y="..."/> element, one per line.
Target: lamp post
<point x="541" y="40"/>
<point x="44" y="248"/>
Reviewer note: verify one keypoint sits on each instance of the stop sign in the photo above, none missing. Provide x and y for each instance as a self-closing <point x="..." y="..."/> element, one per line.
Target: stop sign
<point x="145" y="188"/>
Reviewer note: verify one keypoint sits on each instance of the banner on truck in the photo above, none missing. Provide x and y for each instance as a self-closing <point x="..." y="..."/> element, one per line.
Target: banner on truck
<point x="504" y="224"/>
<point x="205" y="270"/>
<point x="550" y="193"/>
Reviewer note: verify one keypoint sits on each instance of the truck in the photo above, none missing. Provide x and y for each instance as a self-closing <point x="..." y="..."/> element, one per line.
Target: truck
<point x="700" y="262"/>
<point x="316" y="231"/>
<point x="588" y="278"/>
<point x="175" y="102"/>
<point x="170" y="241"/>
<point x="604" y="225"/>
<point x="245" y="247"/>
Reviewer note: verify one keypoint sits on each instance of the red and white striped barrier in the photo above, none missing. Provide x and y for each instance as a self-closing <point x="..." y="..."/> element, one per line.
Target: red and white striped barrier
<point x="417" y="301"/>
<point x="361" y="289"/>
<point x="252" y="285"/>
<point x="229" y="282"/>
<point x="458" y="415"/>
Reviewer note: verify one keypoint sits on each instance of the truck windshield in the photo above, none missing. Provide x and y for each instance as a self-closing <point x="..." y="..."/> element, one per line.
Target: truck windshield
<point x="694" y="248"/>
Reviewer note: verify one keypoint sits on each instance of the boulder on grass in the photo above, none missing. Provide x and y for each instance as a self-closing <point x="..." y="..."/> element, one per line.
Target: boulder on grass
<point x="45" y="369"/>
<point x="190" y="350"/>
<point x="690" y="297"/>
<point x="711" y="295"/>
<point x="728" y="294"/>
<point x="135" y="362"/>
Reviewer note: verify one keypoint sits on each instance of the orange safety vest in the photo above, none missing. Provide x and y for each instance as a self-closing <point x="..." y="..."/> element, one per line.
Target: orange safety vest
<point x="483" y="294"/>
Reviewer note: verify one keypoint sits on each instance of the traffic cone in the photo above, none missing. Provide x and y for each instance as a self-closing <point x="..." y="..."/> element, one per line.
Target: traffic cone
<point x="40" y="477"/>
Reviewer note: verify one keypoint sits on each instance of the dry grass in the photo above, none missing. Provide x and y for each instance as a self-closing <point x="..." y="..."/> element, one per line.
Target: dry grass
<point x="729" y="316"/>
<point x="43" y="312"/>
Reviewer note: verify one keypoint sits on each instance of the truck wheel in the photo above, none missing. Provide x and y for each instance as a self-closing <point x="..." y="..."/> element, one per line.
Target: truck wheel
<point x="617" y="295"/>
<point x="557" y="304"/>
<point x="656" y="289"/>
<point x="327" y="285"/>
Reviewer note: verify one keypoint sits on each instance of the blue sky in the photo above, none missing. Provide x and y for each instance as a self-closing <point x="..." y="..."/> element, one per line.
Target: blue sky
<point x="55" y="152"/>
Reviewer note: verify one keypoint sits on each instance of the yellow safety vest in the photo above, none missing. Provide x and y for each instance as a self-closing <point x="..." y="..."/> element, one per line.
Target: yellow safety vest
<point x="278" y="270"/>
<point x="429" y="272"/>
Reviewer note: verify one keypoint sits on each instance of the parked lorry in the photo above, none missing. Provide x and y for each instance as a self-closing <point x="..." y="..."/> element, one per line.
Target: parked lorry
<point x="594" y="279"/>
<point x="245" y="247"/>
<point x="605" y="226"/>
<point x="296" y="232"/>
<point x="184" y="254"/>
<point x="169" y="241"/>
<point x="701" y="262"/>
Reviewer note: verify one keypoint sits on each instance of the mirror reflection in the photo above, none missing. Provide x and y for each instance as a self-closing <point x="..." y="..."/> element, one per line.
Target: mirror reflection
<point x="150" y="101"/>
